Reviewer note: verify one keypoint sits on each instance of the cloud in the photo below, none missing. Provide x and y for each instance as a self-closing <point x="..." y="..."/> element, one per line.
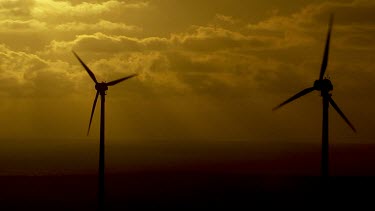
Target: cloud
<point x="109" y="43"/>
<point x="165" y="62"/>
<point x="102" y="25"/>
<point x="202" y="38"/>
<point x="28" y="75"/>
<point x="62" y="12"/>
<point x="51" y="8"/>
<point x="11" y="26"/>
<point x="208" y="58"/>
<point x="14" y="70"/>
<point x="207" y="38"/>
<point x="16" y="8"/>
<point x="302" y="27"/>
<point x="200" y="60"/>
<point x="226" y="19"/>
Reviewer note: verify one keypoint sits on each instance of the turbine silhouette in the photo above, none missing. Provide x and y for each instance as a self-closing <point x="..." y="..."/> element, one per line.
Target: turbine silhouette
<point x="323" y="85"/>
<point x="101" y="89"/>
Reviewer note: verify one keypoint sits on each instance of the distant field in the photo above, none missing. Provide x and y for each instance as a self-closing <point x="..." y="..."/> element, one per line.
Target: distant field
<point x="178" y="190"/>
<point x="170" y="178"/>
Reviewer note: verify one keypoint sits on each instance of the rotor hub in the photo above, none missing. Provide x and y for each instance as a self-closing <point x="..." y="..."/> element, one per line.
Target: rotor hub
<point x="323" y="85"/>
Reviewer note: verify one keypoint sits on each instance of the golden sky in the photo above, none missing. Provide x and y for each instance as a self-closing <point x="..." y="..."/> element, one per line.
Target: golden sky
<point x="209" y="71"/>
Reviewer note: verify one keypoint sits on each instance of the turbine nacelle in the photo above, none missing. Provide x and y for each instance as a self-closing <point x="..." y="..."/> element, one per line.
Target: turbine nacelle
<point x="324" y="85"/>
<point x="101" y="87"/>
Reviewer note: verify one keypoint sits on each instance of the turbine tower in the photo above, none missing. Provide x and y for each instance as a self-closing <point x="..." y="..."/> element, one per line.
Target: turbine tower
<point x="325" y="86"/>
<point x="101" y="89"/>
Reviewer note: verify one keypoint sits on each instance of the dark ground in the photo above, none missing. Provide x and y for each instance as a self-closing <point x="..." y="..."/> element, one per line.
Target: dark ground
<point x="233" y="182"/>
<point x="184" y="191"/>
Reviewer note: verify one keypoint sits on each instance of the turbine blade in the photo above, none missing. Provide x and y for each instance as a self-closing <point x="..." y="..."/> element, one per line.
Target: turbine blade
<point x="334" y="105"/>
<point x="326" y="50"/>
<point x="91" y="74"/>
<point x="298" y="95"/>
<point x="120" y="80"/>
<point x="92" y="111"/>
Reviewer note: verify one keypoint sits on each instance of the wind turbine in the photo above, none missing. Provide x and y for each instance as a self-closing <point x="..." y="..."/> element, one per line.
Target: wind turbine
<point x="101" y="89"/>
<point x="325" y="86"/>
